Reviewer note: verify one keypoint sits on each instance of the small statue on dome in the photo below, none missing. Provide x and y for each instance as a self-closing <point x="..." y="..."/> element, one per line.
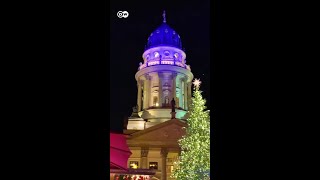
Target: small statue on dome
<point x="135" y="109"/>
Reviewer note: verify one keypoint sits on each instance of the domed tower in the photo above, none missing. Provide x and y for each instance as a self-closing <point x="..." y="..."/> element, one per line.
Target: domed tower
<point x="163" y="76"/>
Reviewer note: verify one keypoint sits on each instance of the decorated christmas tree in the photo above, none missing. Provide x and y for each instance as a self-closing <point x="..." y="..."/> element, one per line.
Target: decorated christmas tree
<point x="194" y="161"/>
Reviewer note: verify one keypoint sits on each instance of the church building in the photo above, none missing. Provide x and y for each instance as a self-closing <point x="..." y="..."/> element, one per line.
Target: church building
<point x="164" y="94"/>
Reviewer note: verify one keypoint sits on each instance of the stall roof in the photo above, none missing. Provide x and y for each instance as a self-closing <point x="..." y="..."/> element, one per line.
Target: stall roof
<point x="119" y="151"/>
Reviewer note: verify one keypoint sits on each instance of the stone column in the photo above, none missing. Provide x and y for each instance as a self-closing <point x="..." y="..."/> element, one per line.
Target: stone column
<point x="139" y="96"/>
<point x="150" y="91"/>
<point x="164" y="153"/>
<point x="146" y="92"/>
<point x="189" y="93"/>
<point x="185" y="86"/>
<point x="144" y="157"/>
<point x="181" y="98"/>
<point x="174" y="89"/>
<point x="160" y="93"/>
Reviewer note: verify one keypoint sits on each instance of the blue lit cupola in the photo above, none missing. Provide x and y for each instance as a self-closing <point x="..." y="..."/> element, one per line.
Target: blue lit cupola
<point x="164" y="35"/>
<point x="164" y="48"/>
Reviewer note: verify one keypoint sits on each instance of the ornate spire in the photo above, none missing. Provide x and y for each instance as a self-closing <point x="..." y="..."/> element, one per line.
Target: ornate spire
<point x="164" y="16"/>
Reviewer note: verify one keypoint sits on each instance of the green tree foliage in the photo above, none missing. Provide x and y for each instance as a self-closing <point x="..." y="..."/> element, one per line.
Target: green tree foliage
<point x="194" y="161"/>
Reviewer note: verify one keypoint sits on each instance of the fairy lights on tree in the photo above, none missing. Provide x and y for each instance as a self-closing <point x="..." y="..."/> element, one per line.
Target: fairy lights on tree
<point x="194" y="161"/>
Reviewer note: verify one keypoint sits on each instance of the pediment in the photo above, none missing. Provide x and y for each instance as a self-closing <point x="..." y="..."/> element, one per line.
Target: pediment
<point x="171" y="130"/>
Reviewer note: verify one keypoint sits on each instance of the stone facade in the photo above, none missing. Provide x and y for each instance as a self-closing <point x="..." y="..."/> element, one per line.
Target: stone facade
<point x="157" y="145"/>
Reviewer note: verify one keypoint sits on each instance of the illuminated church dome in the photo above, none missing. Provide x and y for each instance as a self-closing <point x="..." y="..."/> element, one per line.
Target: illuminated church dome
<point x="164" y="35"/>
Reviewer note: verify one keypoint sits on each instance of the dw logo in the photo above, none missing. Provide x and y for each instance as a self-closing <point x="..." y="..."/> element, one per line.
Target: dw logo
<point x="122" y="14"/>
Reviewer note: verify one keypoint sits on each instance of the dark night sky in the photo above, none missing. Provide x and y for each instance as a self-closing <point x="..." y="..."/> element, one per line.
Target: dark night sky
<point x="129" y="36"/>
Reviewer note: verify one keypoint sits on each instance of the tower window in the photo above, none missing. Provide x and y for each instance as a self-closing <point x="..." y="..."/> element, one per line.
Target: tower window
<point x="166" y="53"/>
<point x="176" y="55"/>
<point x="134" y="164"/>
<point x="166" y="100"/>
<point x="170" y="169"/>
<point x="156" y="54"/>
<point x="155" y="101"/>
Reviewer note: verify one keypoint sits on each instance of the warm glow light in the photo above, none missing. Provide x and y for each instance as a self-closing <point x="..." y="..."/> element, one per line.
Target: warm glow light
<point x="134" y="166"/>
<point x="157" y="104"/>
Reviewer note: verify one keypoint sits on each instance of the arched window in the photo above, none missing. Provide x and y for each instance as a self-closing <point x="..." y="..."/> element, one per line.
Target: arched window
<point x="155" y="101"/>
<point x="176" y="55"/>
<point x="156" y="54"/>
<point x="166" y="101"/>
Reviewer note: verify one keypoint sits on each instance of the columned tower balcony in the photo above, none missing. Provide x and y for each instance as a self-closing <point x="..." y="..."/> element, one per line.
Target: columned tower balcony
<point x="163" y="76"/>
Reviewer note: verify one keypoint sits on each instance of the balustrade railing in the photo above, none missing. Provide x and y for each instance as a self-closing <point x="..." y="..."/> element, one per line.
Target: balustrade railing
<point x="157" y="61"/>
